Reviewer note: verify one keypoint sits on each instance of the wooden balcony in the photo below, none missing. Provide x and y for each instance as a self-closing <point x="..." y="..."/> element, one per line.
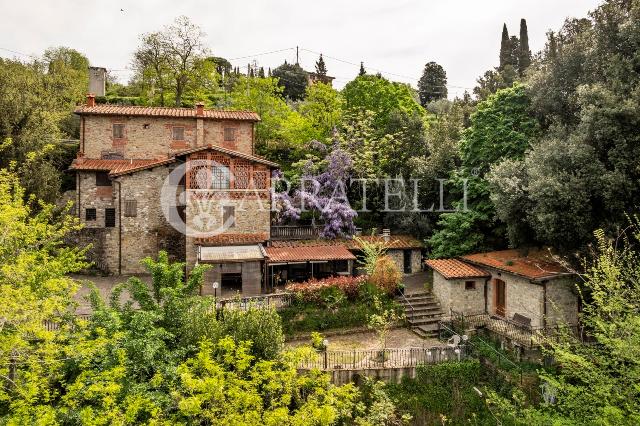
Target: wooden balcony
<point x="294" y="232"/>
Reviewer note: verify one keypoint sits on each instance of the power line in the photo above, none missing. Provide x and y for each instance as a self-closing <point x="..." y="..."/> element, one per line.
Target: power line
<point x="261" y="54"/>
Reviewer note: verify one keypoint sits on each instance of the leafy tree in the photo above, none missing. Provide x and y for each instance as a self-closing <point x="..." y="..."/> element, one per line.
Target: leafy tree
<point x="175" y="60"/>
<point x="323" y="107"/>
<point x="292" y="78"/>
<point x="582" y="174"/>
<point x="501" y="128"/>
<point x="433" y="83"/>
<point x="380" y="96"/>
<point x="36" y="101"/>
<point x="595" y="382"/>
<point x="321" y="68"/>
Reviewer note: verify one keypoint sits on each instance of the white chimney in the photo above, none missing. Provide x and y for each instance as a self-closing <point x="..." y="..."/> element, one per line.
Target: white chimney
<point x="97" y="80"/>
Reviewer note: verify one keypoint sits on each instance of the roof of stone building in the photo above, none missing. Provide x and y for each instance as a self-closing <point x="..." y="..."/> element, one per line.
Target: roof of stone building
<point x="456" y="269"/>
<point x="146" y="111"/>
<point x="115" y="167"/>
<point x="228" y="151"/>
<point x="309" y="253"/>
<point x="393" y="242"/>
<point x="534" y="265"/>
<point x="230" y="239"/>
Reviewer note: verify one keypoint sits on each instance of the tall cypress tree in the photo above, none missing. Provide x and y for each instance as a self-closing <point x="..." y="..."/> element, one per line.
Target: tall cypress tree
<point x="362" y="71"/>
<point x="505" y="48"/>
<point x="321" y="68"/>
<point x="433" y="83"/>
<point x="524" y="57"/>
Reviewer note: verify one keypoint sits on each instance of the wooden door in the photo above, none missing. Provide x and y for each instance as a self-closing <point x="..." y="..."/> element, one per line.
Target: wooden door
<point x="500" y="297"/>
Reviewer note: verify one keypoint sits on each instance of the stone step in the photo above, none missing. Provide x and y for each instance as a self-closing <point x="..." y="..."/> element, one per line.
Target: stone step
<point x="418" y="295"/>
<point x="429" y="314"/>
<point x="426" y="331"/>
<point x="424" y="320"/>
<point x="419" y="305"/>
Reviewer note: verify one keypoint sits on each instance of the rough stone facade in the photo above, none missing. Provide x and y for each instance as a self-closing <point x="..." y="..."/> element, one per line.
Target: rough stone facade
<point x="454" y="294"/>
<point x="152" y="137"/>
<point x="139" y="227"/>
<point x="398" y="257"/>
<point x="522" y="296"/>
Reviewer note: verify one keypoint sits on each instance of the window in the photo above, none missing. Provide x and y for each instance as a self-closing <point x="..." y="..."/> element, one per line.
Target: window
<point x="178" y="133"/>
<point x="130" y="208"/>
<point x="220" y="177"/>
<point x="229" y="134"/>
<point x="102" y="179"/>
<point x="469" y="285"/>
<point x="109" y="218"/>
<point x="118" y="131"/>
<point x="90" y="214"/>
<point x="228" y="216"/>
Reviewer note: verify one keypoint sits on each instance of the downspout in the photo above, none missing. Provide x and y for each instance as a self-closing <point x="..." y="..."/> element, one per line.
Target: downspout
<point x="544" y="304"/>
<point x="486" y="295"/>
<point x="78" y="185"/>
<point x="119" y="227"/>
<point x="82" y="142"/>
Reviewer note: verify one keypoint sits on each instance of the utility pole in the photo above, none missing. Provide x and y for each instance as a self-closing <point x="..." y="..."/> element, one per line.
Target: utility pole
<point x="297" y="57"/>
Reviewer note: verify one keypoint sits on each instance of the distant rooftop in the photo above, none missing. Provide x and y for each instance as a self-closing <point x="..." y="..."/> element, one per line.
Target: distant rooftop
<point x="147" y="111"/>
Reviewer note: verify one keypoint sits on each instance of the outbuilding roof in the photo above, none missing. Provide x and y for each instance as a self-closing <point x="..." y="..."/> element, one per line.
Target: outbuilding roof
<point x="308" y="254"/>
<point x="534" y="264"/>
<point x="392" y="242"/>
<point x="456" y="269"/>
<point x="146" y="111"/>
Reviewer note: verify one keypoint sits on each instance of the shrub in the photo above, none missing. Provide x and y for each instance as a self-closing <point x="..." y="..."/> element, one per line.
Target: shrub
<point x="312" y="290"/>
<point x="386" y="275"/>
<point x="261" y="326"/>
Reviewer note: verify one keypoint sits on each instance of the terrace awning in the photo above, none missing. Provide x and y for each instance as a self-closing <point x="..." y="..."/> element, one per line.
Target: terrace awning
<point x="225" y="254"/>
<point x="307" y="254"/>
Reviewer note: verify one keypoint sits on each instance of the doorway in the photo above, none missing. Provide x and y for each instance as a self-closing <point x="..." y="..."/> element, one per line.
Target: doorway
<point x="231" y="282"/>
<point x="500" y="297"/>
<point x="407" y="261"/>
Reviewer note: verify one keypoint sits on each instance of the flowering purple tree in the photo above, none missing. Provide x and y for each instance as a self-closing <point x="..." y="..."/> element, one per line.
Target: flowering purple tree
<point x="324" y="194"/>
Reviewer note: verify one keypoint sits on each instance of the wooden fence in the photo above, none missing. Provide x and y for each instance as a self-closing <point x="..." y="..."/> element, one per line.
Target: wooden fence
<point x="382" y="358"/>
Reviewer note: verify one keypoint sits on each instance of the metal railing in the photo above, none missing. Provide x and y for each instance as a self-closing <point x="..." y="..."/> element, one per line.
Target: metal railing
<point x="275" y="300"/>
<point x="294" y="232"/>
<point x="517" y="332"/>
<point x="382" y="358"/>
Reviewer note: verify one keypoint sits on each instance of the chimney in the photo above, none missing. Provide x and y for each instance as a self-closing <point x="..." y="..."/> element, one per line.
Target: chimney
<point x="97" y="80"/>
<point x="199" y="109"/>
<point x="386" y="233"/>
<point x="91" y="100"/>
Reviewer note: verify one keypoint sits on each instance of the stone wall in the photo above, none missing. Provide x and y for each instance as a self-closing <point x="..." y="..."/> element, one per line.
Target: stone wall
<point x="152" y="137"/>
<point x="149" y="231"/>
<point x="521" y="296"/>
<point x="398" y="257"/>
<point x="562" y="302"/>
<point x="106" y="240"/>
<point x="452" y="294"/>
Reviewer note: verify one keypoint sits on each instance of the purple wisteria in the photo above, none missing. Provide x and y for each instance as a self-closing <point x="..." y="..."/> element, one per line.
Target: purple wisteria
<point x="324" y="194"/>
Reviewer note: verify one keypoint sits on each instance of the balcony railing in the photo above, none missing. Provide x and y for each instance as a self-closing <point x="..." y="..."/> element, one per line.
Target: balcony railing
<point x="294" y="232"/>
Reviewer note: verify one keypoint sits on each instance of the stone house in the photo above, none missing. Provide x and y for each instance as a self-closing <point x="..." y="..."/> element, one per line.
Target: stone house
<point x="177" y="179"/>
<point x="507" y="283"/>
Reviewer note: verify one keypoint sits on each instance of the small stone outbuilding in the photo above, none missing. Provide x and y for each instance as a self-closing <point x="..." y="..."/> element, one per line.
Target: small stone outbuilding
<point x="508" y="284"/>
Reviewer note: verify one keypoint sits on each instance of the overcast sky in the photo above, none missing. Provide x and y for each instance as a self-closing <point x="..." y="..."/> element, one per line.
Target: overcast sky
<point x="396" y="37"/>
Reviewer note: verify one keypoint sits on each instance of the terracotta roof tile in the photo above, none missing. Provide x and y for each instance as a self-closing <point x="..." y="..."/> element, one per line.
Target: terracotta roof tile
<point x="454" y="269"/>
<point x="144" y="111"/>
<point x="230" y="239"/>
<point x="311" y="253"/>
<point x="535" y="265"/>
<point x="115" y="167"/>
<point x="227" y="151"/>
<point x="394" y="242"/>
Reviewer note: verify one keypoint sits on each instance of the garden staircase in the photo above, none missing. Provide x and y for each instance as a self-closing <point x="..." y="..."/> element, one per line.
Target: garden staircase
<point x="423" y="313"/>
